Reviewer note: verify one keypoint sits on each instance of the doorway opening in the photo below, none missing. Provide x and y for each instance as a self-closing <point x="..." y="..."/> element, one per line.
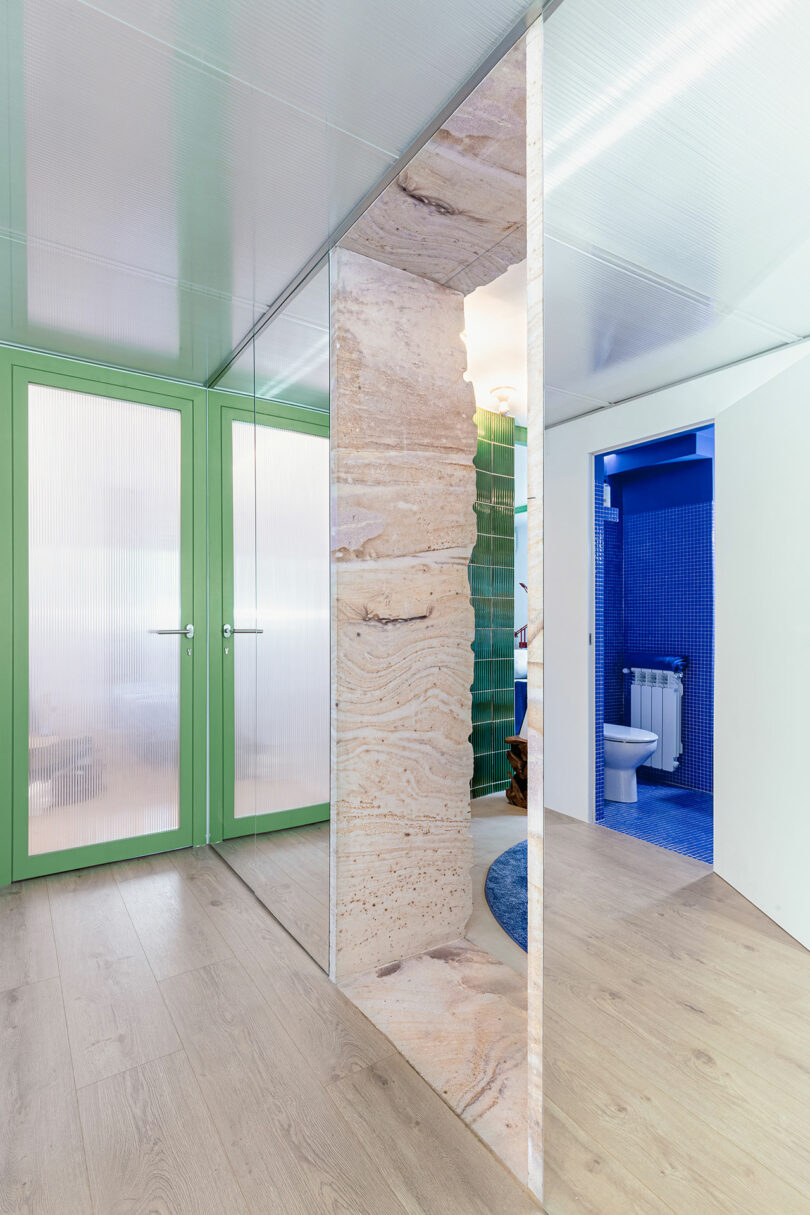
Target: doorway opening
<point x="654" y="641"/>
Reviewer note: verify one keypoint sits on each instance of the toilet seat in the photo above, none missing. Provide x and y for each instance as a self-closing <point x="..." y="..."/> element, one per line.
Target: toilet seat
<point x="628" y="734"/>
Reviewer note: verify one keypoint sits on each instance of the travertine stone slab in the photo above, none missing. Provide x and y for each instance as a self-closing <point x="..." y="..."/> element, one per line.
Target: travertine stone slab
<point x="403" y="441"/>
<point x="459" y="1016"/>
<point x="492" y="264"/>
<point x="379" y="520"/>
<point x="463" y="195"/>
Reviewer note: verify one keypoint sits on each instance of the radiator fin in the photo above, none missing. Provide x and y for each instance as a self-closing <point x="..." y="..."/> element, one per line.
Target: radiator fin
<point x="655" y="705"/>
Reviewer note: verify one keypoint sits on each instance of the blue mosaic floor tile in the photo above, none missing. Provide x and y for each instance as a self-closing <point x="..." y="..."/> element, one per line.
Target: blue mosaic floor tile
<point x="678" y="819"/>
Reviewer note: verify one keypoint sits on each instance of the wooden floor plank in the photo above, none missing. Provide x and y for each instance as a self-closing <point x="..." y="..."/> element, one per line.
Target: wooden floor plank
<point x="676" y="1044"/>
<point x="421" y="1147"/>
<point x="772" y="1126"/>
<point x="288" y="1152"/>
<point x="775" y="970"/>
<point x="303" y="853"/>
<point x="579" y="1176"/>
<point x="291" y="901"/>
<point x="174" y="930"/>
<point x="116" y="1017"/>
<point x="681" y="1158"/>
<point x="42" y="1164"/>
<point x="332" y="1033"/>
<point x="27" y="949"/>
<point x="151" y="1144"/>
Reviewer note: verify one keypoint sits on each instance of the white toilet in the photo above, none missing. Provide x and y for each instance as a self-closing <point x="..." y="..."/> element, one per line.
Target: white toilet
<point x="625" y="749"/>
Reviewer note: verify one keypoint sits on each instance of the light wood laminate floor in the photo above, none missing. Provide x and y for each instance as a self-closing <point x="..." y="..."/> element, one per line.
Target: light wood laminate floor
<point x="676" y="1037"/>
<point x="165" y="1046"/>
<point x="289" y="872"/>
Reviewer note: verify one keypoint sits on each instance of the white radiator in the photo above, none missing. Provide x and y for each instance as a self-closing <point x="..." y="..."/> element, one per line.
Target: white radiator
<point x="655" y="705"/>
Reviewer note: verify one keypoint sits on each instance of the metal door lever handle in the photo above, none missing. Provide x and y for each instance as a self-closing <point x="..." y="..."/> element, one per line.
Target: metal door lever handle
<point x="228" y="630"/>
<point x="188" y="631"/>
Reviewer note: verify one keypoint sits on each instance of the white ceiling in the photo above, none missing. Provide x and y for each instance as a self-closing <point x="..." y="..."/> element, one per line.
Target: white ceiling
<point x="677" y="182"/>
<point x="289" y="358"/>
<point x="172" y="164"/>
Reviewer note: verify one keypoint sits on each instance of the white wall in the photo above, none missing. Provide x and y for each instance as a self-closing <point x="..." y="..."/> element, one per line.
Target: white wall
<point x="762" y="649"/>
<point x="568" y="589"/>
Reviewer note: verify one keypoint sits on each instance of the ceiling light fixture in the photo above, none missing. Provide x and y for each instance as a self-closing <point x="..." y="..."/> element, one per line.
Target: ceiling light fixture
<point x="503" y="397"/>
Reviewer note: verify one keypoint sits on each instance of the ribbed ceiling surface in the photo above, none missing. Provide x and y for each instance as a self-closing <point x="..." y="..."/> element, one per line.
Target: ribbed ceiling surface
<point x="172" y="164"/>
<point x="289" y="359"/>
<point x="677" y="182"/>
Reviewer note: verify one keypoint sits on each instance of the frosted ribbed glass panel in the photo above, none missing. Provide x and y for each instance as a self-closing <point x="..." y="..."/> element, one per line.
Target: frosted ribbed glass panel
<point x="104" y="572"/>
<point x="281" y="585"/>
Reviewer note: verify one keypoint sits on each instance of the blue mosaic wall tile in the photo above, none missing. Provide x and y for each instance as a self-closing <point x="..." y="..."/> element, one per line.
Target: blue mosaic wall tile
<point x="669" y="609"/>
<point x="614" y="621"/>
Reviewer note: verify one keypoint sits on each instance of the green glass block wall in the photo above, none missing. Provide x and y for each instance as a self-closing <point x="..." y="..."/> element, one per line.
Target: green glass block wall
<point x="492" y="567"/>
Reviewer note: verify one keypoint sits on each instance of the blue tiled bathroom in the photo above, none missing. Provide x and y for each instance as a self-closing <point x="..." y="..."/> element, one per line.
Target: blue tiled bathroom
<point x="654" y="641"/>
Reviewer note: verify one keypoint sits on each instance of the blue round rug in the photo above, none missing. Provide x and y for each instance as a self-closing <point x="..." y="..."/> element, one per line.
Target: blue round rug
<point x="507" y="892"/>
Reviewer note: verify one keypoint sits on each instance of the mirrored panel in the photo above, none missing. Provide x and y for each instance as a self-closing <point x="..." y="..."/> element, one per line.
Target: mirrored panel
<point x="274" y="431"/>
<point x="676" y="1035"/>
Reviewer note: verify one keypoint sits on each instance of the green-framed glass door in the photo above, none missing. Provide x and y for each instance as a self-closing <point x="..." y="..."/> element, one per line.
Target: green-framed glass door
<point x="274" y="660"/>
<point x="104" y="721"/>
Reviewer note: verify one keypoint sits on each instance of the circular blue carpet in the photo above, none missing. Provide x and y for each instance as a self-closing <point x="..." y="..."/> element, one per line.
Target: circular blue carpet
<point x="507" y="892"/>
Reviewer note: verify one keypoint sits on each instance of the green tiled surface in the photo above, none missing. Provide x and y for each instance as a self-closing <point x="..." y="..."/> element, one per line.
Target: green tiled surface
<point x="483" y="611"/>
<point x="491" y="573"/>
<point x="482" y="553"/>
<point x="481" y="580"/>
<point x="503" y="490"/>
<point x="502" y="520"/>
<point x="503" y="580"/>
<point x="503" y="550"/>
<point x="503" y="460"/>
<point x="503" y="643"/>
<point x="482" y="646"/>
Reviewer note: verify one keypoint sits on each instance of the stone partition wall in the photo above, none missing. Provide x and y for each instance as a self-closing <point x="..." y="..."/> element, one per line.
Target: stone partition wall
<point x="403" y="485"/>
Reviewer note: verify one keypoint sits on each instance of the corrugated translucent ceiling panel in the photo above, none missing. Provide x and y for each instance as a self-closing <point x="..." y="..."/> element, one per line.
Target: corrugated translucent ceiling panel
<point x="281" y="586"/>
<point x="676" y="186"/>
<point x="173" y="164"/>
<point x="289" y="360"/>
<point x="104" y="573"/>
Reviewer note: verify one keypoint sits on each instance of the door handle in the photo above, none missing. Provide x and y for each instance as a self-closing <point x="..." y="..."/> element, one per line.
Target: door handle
<point x="188" y="631"/>
<point x="228" y="630"/>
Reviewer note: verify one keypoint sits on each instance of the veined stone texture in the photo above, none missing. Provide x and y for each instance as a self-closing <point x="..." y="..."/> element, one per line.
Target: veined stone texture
<point x="403" y="527"/>
<point x="534" y="200"/>
<point x="459" y="1016"/>
<point x="457" y="212"/>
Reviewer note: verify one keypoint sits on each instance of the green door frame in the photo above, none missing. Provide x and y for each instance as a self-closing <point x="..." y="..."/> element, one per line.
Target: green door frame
<point x="224" y="408"/>
<point x="18" y="369"/>
<point x="209" y="494"/>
